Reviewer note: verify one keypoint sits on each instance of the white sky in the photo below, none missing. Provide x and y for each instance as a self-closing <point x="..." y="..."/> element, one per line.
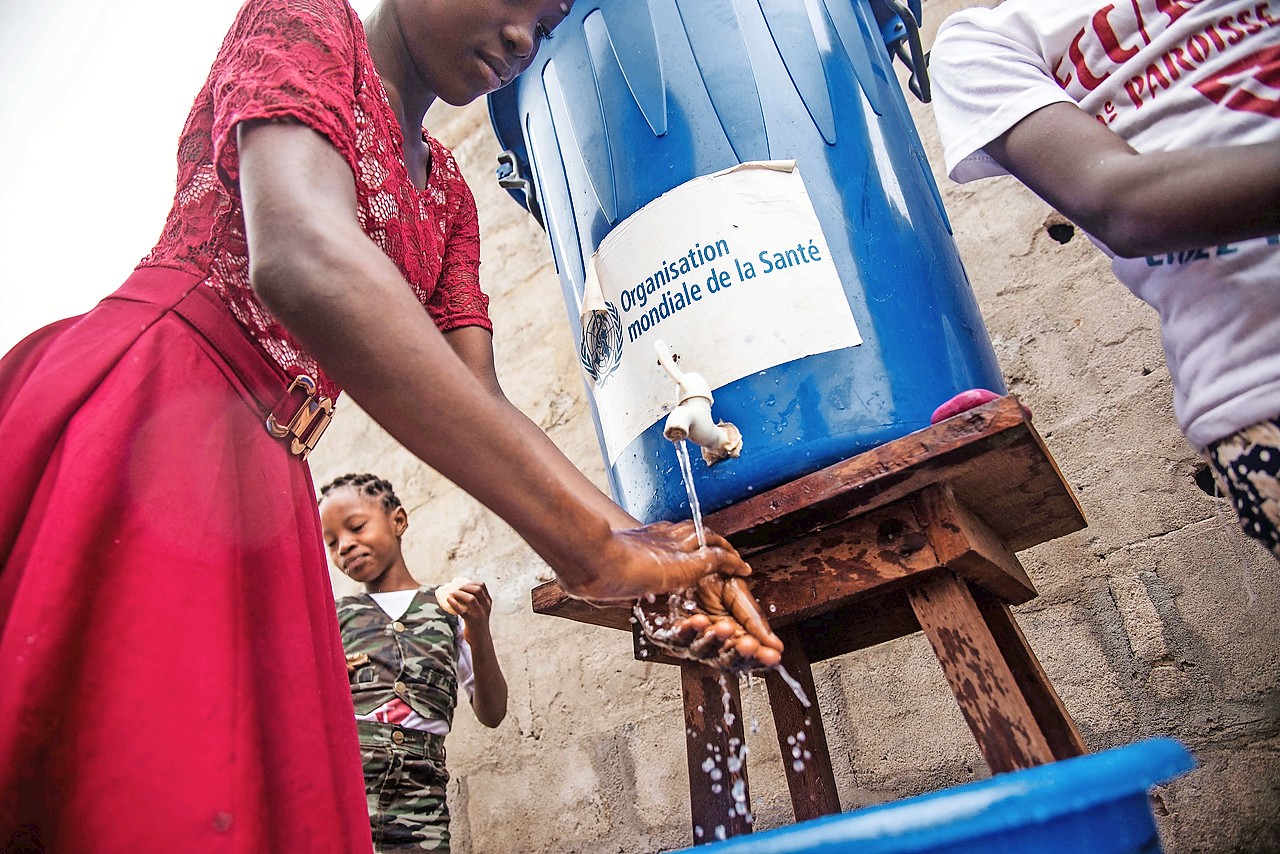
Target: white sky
<point x="93" y="94"/>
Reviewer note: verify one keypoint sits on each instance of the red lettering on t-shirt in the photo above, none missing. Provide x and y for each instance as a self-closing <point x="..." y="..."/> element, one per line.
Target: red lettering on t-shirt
<point x="1142" y="24"/>
<point x="1251" y="84"/>
<point x="1248" y="84"/>
<point x="1198" y="48"/>
<point x="1107" y="36"/>
<point x="1155" y="77"/>
<point x="1134" y="87"/>
<point x="1212" y="33"/>
<point x="1173" y="9"/>
<point x="1229" y="24"/>
<point x="1086" y="77"/>
<point x="1175" y="62"/>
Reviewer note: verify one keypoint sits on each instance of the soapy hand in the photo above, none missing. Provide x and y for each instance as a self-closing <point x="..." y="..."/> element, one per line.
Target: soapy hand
<point x="701" y="606"/>
<point x="717" y="622"/>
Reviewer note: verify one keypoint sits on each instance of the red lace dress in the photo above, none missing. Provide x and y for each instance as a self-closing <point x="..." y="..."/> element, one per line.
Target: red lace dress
<point x="171" y="674"/>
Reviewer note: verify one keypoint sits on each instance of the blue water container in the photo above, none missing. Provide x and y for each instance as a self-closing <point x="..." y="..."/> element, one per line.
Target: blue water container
<point x="633" y="98"/>
<point x="1094" y="804"/>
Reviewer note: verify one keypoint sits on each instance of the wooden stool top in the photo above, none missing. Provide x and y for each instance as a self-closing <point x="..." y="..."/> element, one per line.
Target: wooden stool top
<point x="985" y="472"/>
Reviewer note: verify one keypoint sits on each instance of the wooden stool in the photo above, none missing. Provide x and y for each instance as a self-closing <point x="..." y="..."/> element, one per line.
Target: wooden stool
<point x="918" y="534"/>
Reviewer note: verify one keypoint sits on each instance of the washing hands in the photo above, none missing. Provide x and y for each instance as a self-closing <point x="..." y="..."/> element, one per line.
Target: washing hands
<point x="717" y="622"/>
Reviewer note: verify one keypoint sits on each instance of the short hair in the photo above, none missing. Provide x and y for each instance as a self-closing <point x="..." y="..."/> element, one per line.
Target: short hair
<point x="365" y="484"/>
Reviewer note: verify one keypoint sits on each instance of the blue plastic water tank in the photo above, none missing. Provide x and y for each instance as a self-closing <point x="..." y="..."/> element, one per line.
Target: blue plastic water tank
<point x="1094" y="804"/>
<point x="633" y="98"/>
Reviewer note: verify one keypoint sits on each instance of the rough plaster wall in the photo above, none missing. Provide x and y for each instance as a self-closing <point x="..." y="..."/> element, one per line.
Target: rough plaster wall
<point x="1158" y="619"/>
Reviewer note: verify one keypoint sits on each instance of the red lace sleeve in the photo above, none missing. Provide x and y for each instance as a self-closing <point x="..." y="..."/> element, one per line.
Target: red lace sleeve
<point x="286" y="59"/>
<point x="457" y="300"/>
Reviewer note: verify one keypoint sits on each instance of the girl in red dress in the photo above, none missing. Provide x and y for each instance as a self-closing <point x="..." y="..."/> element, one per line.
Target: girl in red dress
<point x="172" y="676"/>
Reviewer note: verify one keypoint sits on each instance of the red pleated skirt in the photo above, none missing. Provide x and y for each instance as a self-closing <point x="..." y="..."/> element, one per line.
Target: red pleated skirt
<point x="171" y="674"/>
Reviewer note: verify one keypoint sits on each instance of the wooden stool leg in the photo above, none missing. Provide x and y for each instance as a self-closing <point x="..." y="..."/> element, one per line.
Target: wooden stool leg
<point x="990" y="698"/>
<point x="1058" y="728"/>
<point x="809" y="776"/>
<point x="717" y="814"/>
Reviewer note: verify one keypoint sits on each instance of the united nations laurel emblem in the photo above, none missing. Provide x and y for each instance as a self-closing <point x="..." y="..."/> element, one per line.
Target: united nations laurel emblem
<point x="601" y="349"/>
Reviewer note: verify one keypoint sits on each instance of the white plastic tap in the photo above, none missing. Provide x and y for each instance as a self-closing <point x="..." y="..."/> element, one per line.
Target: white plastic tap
<point x="692" y="419"/>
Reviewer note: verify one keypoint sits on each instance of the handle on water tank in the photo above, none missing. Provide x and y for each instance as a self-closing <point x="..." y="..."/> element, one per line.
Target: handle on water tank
<point x="909" y="48"/>
<point x="512" y="178"/>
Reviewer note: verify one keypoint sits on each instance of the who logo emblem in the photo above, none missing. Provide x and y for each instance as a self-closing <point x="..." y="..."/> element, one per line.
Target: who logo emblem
<point x="601" y="350"/>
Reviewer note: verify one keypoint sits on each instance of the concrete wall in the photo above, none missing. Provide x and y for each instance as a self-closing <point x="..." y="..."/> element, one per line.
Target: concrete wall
<point x="1158" y="619"/>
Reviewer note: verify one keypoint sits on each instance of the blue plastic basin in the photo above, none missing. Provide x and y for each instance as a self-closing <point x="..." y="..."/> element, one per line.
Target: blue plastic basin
<point x="1095" y="804"/>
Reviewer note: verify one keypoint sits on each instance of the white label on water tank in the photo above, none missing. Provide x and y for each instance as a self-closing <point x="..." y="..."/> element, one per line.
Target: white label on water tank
<point x="731" y="270"/>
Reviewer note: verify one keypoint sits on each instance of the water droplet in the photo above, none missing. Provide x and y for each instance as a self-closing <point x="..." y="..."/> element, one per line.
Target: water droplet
<point x="797" y="765"/>
<point x="715" y="774"/>
<point x="773" y="609"/>
<point x="708" y="764"/>
<point x="720" y="834"/>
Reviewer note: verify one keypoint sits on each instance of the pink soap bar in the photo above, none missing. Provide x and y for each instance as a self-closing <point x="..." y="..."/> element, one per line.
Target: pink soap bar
<point x="965" y="401"/>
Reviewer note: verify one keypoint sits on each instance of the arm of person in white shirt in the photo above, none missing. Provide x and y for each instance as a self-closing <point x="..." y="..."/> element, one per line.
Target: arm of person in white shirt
<point x="1142" y="204"/>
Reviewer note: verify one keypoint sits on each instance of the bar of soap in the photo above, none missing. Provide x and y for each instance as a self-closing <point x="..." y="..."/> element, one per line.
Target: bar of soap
<point x="443" y="591"/>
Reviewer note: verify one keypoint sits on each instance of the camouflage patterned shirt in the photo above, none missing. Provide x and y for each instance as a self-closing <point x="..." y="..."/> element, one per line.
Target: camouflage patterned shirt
<point x="412" y="658"/>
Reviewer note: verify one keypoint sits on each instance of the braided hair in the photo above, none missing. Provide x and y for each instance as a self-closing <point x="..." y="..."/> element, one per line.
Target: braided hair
<point x="365" y="484"/>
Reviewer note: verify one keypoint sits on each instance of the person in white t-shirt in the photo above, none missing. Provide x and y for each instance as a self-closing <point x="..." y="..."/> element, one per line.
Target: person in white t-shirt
<point x="408" y="649"/>
<point x="1154" y="125"/>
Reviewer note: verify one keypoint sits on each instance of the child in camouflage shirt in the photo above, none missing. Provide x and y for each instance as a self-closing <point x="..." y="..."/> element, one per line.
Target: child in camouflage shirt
<point x="406" y="657"/>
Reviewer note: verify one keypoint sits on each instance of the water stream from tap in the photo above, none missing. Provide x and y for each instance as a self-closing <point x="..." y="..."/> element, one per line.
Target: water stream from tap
<point x="686" y="471"/>
<point x="793" y="685"/>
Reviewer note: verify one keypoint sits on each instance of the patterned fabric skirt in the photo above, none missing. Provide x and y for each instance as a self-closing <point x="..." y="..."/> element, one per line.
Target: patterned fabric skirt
<point x="171" y="673"/>
<point x="1247" y="466"/>
<point x="405" y="781"/>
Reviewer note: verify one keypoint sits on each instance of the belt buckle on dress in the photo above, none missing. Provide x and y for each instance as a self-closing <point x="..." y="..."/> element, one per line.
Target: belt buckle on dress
<point x="306" y="424"/>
